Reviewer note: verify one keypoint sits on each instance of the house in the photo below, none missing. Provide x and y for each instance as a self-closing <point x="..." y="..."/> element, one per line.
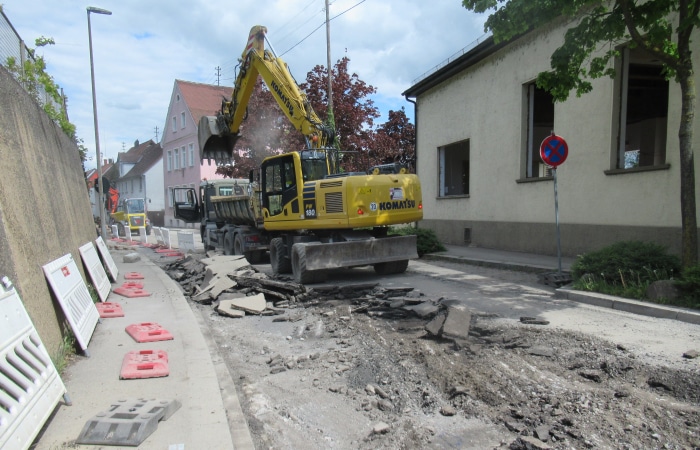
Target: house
<point x="480" y="121"/>
<point x="183" y="166"/>
<point x="138" y="173"/>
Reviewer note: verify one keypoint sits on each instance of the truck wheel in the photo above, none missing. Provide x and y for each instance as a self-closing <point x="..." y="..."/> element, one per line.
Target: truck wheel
<point x="278" y="257"/>
<point x="254" y="256"/>
<point x="228" y="244"/>
<point x="301" y="274"/>
<point x="238" y="245"/>
<point x="391" y="267"/>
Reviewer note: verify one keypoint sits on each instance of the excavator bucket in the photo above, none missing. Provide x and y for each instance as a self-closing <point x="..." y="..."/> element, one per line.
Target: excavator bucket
<point x="215" y="140"/>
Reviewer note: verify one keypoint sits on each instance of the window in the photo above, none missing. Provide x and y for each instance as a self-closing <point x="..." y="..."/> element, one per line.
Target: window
<point x="176" y="158"/>
<point x="140" y="184"/>
<point x="183" y="154"/>
<point x="279" y="185"/>
<point x="643" y="112"/>
<point x="539" y="123"/>
<point x="174" y="123"/>
<point x="170" y="196"/>
<point x="454" y="169"/>
<point x="170" y="161"/>
<point x="191" y="155"/>
<point x="182" y="120"/>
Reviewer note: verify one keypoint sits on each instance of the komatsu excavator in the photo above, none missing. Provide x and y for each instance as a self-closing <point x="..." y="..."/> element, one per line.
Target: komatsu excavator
<point x="311" y="216"/>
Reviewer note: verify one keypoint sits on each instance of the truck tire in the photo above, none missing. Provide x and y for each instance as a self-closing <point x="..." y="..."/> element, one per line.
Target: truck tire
<point x="278" y="257"/>
<point x="391" y="267"/>
<point x="238" y="244"/>
<point x="228" y="244"/>
<point x="301" y="274"/>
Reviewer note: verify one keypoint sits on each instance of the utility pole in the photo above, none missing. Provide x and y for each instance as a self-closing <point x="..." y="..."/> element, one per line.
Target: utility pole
<point x="156" y="130"/>
<point x="218" y="75"/>
<point x="330" y="69"/>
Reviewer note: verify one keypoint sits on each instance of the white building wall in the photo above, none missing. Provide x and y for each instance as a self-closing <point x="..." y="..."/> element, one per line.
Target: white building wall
<point x="484" y="104"/>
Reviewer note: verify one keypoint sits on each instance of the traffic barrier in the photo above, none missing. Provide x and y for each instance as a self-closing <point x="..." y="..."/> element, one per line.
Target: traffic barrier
<point x="109" y="310"/>
<point x="143" y="236"/>
<point x="73" y="296"/>
<point x="172" y="254"/>
<point x="148" y="332"/>
<point x="97" y="273"/>
<point x="185" y="240"/>
<point x="157" y="231"/>
<point x="107" y="258"/>
<point x="127" y="422"/>
<point x="30" y="387"/>
<point x="144" y="364"/>
<point x="166" y="237"/>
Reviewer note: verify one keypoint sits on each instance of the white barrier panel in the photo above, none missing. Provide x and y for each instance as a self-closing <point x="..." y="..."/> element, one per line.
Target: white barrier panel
<point x="107" y="258"/>
<point x="30" y="387"/>
<point x="159" y="236"/>
<point x="74" y="297"/>
<point x="166" y="237"/>
<point x="97" y="273"/>
<point x="142" y="235"/>
<point x="115" y="231"/>
<point x="185" y="240"/>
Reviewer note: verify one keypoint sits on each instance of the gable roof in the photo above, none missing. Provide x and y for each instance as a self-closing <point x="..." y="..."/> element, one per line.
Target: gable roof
<point x="203" y="99"/>
<point x="143" y="156"/>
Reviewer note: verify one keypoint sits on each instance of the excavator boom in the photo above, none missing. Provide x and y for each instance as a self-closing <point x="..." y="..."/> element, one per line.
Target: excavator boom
<point x="218" y="134"/>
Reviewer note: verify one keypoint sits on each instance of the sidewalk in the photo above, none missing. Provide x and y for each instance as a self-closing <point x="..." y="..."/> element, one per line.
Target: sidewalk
<point x="197" y="379"/>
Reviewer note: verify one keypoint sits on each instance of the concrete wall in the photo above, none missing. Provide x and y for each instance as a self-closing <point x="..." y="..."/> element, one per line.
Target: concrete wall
<point x="484" y="104"/>
<point x="44" y="205"/>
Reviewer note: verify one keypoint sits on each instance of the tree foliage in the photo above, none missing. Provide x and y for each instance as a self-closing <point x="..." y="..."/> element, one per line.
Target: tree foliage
<point x="353" y="109"/>
<point x="394" y="142"/>
<point x="34" y="78"/>
<point x="596" y="31"/>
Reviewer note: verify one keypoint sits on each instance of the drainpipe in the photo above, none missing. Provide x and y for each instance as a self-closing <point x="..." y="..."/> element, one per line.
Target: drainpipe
<point x="415" y="137"/>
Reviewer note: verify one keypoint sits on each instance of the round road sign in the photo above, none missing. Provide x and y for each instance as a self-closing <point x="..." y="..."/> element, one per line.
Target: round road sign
<point x="554" y="150"/>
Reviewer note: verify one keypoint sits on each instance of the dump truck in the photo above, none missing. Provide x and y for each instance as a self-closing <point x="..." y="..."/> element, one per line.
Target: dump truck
<point x="313" y="216"/>
<point x="224" y="210"/>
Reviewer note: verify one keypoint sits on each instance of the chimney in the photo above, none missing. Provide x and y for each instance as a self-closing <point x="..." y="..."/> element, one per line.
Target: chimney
<point x="104" y="163"/>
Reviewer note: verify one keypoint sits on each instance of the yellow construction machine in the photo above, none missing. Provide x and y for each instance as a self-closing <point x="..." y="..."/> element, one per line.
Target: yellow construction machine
<point x="311" y="216"/>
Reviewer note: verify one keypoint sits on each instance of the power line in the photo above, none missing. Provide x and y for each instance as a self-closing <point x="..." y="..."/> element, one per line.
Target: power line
<point x="324" y="22"/>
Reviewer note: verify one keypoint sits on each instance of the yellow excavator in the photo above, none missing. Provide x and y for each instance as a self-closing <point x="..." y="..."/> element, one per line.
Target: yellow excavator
<point x="312" y="216"/>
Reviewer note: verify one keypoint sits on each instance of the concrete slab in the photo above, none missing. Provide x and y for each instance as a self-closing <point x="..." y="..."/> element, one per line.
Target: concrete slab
<point x="254" y="304"/>
<point x="226" y="308"/>
<point x="457" y="323"/>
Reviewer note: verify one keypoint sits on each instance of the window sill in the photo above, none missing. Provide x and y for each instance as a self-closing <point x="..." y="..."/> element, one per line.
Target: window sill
<point x="533" y="179"/>
<point x="637" y="169"/>
<point x="449" y="197"/>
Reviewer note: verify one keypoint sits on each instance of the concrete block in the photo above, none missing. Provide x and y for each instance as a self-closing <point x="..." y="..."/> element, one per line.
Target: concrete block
<point x="132" y="257"/>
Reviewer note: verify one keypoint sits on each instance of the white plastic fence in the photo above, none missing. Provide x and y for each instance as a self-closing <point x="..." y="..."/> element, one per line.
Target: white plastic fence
<point x="97" y="273"/>
<point x="30" y="387"/>
<point x="74" y="297"/>
<point x="159" y="235"/>
<point x="107" y="258"/>
<point x="115" y="231"/>
<point x="143" y="235"/>
<point x="166" y="237"/>
<point x="185" y="240"/>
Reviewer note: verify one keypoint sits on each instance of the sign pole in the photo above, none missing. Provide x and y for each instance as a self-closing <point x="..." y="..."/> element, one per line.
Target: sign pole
<point x="556" y="214"/>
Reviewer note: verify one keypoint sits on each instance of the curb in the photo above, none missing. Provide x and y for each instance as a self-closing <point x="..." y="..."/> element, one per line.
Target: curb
<point x="530" y="268"/>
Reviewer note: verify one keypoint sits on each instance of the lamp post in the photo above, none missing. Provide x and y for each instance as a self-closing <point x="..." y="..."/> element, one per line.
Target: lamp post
<point x="100" y="195"/>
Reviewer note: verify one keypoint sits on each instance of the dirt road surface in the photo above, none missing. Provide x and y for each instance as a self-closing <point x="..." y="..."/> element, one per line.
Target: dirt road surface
<point x="356" y="367"/>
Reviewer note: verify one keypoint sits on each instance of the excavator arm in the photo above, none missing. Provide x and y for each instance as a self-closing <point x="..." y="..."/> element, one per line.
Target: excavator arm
<point x="217" y="135"/>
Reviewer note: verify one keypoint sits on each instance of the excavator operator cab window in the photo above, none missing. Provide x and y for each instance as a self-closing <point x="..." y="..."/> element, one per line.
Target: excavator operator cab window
<point x="279" y="181"/>
<point x="313" y="165"/>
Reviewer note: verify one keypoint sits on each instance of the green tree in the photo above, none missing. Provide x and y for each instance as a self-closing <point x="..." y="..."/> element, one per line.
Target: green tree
<point x="661" y="28"/>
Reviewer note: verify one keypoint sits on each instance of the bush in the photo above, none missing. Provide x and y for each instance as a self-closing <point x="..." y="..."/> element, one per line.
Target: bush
<point x="689" y="283"/>
<point x="427" y="242"/>
<point x="625" y="268"/>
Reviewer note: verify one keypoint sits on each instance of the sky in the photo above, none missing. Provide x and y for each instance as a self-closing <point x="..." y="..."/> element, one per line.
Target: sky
<point x="145" y="45"/>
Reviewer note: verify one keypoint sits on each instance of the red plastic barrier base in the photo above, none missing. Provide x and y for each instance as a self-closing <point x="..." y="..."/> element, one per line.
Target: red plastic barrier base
<point x="132" y="285"/>
<point x="133" y="276"/>
<point x="148" y="332"/>
<point x="170" y="254"/>
<point x="131" y="293"/>
<point x="145" y="364"/>
<point x="164" y="250"/>
<point x="108" y="309"/>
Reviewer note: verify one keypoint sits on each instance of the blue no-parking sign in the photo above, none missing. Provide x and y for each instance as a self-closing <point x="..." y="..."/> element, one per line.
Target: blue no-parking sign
<point x="554" y="150"/>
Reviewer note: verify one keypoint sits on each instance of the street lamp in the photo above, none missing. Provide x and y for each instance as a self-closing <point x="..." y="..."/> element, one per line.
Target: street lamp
<point x="100" y="195"/>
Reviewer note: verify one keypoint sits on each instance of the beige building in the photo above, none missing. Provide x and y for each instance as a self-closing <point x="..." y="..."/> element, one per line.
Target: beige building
<point x="480" y="121"/>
